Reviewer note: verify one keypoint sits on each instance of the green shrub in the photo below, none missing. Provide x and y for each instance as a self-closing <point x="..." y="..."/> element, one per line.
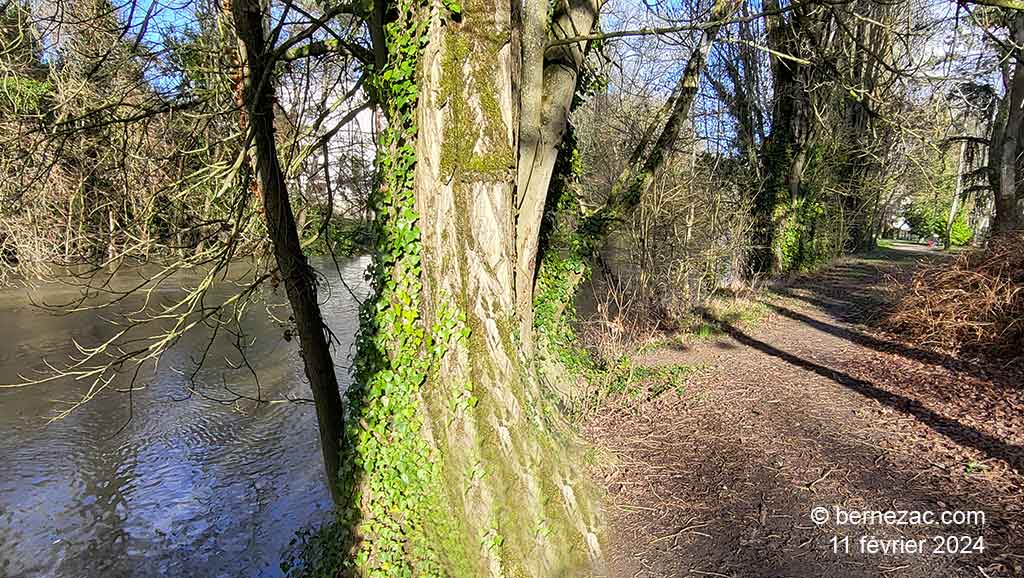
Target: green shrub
<point x="342" y="237"/>
<point x="806" y="234"/>
<point x="23" y="95"/>
<point x="961" y="233"/>
<point x="928" y="217"/>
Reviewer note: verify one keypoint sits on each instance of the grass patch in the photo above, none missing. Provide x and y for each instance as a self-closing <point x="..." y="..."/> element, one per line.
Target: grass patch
<point x="628" y="382"/>
<point x="727" y="310"/>
<point x="648" y="382"/>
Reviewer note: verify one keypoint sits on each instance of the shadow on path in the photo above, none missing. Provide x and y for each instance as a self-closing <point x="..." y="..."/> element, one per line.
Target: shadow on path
<point x="883" y="345"/>
<point x="848" y="290"/>
<point x="957" y="432"/>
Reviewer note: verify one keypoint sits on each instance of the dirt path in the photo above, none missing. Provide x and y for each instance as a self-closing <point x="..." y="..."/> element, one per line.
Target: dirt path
<point x="810" y="409"/>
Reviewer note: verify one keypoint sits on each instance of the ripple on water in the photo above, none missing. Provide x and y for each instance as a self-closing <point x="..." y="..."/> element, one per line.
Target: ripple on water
<point x="192" y="488"/>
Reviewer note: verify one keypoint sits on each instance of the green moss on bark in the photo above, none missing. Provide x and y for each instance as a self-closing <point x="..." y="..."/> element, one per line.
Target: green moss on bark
<point x="460" y="477"/>
<point x="475" y="146"/>
<point x="398" y="517"/>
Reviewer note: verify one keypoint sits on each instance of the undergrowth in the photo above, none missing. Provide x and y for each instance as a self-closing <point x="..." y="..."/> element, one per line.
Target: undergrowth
<point x="725" y="310"/>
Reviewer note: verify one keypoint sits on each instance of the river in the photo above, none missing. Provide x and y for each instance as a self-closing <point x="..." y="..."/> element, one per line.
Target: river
<point x="197" y="487"/>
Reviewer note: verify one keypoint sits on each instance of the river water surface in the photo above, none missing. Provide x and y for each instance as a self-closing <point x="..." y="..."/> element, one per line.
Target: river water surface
<point x="197" y="487"/>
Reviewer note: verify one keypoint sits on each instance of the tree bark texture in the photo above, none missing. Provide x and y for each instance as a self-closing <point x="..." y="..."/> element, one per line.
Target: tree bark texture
<point x="1011" y="146"/>
<point x="481" y="179"/>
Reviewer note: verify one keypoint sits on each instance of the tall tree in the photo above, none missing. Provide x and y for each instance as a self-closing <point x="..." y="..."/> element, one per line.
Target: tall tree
<point x="1007" y="141"/>
<point x="297" y="276"/>
<point x="466" y="165"/>
<point x="793" y="37"/>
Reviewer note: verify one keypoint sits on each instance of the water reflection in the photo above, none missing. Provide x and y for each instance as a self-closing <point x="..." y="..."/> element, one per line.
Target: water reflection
<point x="195" y="488"/>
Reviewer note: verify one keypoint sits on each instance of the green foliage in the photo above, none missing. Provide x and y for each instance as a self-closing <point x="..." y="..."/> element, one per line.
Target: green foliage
<point x="928" y="217"/>
<point x="961" y="234"/>
<point x="565" y="250"/>
<point x="638" y="380"/>
<point x="23" y="95"/>
<point x="975" y="467"/>
<point x="316" y="554"/>
<point x="806" y="234"/>
<point x="705" y="331"/>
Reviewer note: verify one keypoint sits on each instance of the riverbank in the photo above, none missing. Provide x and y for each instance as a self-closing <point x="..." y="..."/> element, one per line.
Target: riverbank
<point x="812" y="408"/>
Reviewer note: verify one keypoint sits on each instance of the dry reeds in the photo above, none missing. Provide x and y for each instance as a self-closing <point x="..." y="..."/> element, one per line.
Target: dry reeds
<point x="621" y="323"/>
<point x="974" y="304"/>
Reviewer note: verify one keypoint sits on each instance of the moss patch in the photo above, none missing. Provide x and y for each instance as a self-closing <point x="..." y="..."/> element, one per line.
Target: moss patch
<point x="475" y="146"/>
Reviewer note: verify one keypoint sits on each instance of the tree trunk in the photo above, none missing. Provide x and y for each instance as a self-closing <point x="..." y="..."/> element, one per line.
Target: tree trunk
<point x="1007" y="213"/>
<point x="111" y="249"/>
<point x="298" y="278"/>
<point x="954" y="205"/>
<point x="468" y="208"/>
<point x="546" y="90"/>
<point x="787" y="146"/>
<point x="456" y="464"/>
<point x="69" y="229"/>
